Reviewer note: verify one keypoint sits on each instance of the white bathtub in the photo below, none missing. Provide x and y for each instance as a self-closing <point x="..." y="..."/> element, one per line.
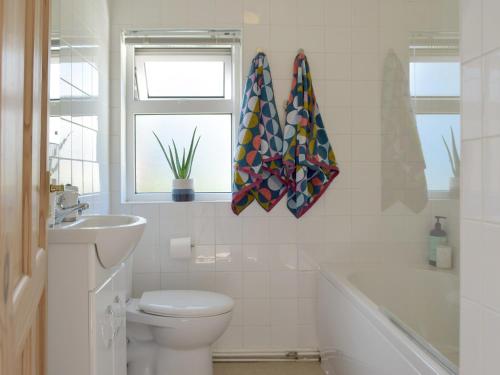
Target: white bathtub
<point x="358" y="337"/>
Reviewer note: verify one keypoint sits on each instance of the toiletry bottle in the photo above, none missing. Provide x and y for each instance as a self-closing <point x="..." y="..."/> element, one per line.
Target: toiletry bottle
<point x="54" y="189"/>
<point x="437" y="237"/>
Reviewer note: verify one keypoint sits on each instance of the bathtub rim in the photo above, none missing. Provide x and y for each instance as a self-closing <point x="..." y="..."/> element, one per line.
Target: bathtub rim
<point x="337" y="274"/>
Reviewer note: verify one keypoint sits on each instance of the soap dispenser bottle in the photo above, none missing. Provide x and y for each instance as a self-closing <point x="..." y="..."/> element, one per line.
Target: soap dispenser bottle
<point x="437" y="237"/>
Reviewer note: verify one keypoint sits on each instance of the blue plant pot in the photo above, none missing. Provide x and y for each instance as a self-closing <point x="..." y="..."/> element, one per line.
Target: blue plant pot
<point x="183" y="190"/>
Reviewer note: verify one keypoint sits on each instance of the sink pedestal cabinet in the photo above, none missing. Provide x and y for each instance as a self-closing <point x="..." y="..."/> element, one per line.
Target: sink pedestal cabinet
<point x="86" y="313"/>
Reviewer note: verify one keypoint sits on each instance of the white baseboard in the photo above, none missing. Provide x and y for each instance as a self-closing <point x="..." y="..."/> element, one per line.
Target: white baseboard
<point x="267" y="355"/>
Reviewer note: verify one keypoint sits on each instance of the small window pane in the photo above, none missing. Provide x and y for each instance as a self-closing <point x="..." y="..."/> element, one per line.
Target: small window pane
<point x="435" y="79"/>
<point x="96" y="182"/>
<point x="87" y="178"/>
<point x="185" y="78"/>
<point x="212" y="163"/>
<point x="431" y="129"/>
<point x="77" y="174"/>
<point x="55" y="73"/>
<point x="64" y="172"/>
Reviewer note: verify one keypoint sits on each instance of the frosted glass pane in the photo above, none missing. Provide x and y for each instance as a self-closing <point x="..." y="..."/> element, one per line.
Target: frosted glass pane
<point x="64" y="139"/>
<point x="64" y="172"/>
<point x="77" y="174"/>
<point x="212" y="163"/>
<point x="76" y="141"/>
<point x="185" y="78"/>
<point x="431" y="129"/>
<point x="55" y="73"/>
<point x="89" y="144"/>
<point x="435" y="79"/>
<point x="87" y="178"/>
<point x="96" y="182"/>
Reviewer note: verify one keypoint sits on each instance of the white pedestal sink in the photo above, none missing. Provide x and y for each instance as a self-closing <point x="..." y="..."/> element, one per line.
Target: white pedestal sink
<point x="114" y="236"/>
<point x="87" y="289"/>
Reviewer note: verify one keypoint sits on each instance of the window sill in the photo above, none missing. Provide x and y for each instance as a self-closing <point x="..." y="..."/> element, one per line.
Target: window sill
<point x="166" y="198"/>
<point x="440" y="195"/>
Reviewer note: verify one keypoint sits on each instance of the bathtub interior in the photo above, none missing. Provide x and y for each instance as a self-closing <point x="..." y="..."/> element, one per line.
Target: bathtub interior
<point x="425" y="300"/>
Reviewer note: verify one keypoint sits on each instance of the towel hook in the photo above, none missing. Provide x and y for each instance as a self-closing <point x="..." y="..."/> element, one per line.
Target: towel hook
<point x="259" y="50"/>
<point x="300" y="50"/>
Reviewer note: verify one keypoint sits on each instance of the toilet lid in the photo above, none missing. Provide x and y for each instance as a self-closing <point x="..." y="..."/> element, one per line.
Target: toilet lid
<point x="185" y="303"/>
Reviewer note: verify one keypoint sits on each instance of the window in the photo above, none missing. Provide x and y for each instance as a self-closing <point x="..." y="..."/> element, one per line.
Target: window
<point x="435" y="90"/>
<point x="73" y="123"/>
<point x="176" y="82"/>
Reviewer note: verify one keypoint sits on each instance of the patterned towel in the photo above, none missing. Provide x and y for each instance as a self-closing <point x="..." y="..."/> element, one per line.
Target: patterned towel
<point x="307" y="154"/>
<point x="258" y="166"/>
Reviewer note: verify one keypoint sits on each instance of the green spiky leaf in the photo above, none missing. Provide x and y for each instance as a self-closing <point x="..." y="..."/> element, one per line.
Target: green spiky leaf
<point x="456" y="157"/>
<point x="181" y="168"/>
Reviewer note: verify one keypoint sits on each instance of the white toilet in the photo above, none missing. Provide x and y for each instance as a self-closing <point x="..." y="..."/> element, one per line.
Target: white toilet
<point x="170" y="332"/>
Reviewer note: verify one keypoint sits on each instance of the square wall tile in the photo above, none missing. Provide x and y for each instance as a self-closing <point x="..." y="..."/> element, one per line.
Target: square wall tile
<point x="256" y="337"/>
<point x="471" y="184"/>
<point x="174" y="281"/>
<point x="490" y="261"/>
<point x="491" y="100"/>
<point x="490" y="342"/>
<point x="338" y="13"/>
<point x="202" y="281"/>
<point x="491" y="179"/>
<point x="229" y="13"/>
<point x="229" y="283"/>
<point x="471" y="252"/>
<point x="365" y="14"/>
<point x="256" y="12"/>
<point x="284" y="312"/>
<point x="203" y="258"/>
<point x="256" y="312"/>
<point x="231" y="339"/>
<point x="337" y="39"/>
<point x="257" y="257"/>
<point x="284" y="258"/>
<point x="283" y="12"/>
<point x="228" y="230"/>
<point x="255" y="284"/>
<point x="147" y="259"/>
<point x="144" y="282"/>
<point x="471" y="43"/>
<point x="470" y="337"/>
<point x="472" y="98"/>
<point x="228" y="258"/>
<point x="491" y="27"/>
<point x="283" y="284"/>
<point x="284" y="336"/>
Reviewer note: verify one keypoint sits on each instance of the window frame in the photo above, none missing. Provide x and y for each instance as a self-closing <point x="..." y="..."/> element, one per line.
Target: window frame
<point x="131" y="106"/>
<point x="179" y="54"/>
<point x="436" y="105"/>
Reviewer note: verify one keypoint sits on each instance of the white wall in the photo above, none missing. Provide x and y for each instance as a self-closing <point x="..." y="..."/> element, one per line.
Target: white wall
<point x="480" y="276"/>
<point x="81" y="31"/>
<point x="268" y="262"/>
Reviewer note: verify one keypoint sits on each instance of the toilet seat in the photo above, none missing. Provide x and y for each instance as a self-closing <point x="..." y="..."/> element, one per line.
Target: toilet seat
<point x="185" y="303"/>
<point x="179" y="341"/>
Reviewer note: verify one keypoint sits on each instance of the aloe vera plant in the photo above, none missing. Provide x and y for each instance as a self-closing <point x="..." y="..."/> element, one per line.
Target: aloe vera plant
<point x="453" y="155"/>
<point x="181" y="168"/>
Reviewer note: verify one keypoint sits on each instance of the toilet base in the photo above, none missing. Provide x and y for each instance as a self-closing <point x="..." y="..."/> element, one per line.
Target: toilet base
<point x="184" y="362"/>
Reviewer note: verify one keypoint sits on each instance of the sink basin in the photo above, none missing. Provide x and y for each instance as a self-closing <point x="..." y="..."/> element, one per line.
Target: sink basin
<point x="114" y="236"/>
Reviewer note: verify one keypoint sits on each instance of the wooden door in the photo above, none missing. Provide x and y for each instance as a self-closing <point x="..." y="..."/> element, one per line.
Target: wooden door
<point x="24" y="46"/>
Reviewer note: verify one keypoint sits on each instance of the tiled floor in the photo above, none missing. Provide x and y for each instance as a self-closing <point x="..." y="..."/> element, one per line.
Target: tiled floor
<point x="268" y="368"/>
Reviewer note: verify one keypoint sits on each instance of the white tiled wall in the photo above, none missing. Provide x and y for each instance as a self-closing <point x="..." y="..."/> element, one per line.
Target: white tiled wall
<point x="268" y="262"/>
<point x="79" y="118"/>
<point x="480" y="276"/>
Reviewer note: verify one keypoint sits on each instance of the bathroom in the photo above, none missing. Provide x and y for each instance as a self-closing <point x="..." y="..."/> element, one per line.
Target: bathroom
<point x="358" y="280"/>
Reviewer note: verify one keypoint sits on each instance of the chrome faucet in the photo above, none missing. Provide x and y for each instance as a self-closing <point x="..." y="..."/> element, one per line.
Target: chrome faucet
<point x="63" y="210"/>
<point x="63" y="213"/>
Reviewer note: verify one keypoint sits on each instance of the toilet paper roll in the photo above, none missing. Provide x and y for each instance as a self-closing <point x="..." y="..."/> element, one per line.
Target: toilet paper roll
<point x="180" y="248"/>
